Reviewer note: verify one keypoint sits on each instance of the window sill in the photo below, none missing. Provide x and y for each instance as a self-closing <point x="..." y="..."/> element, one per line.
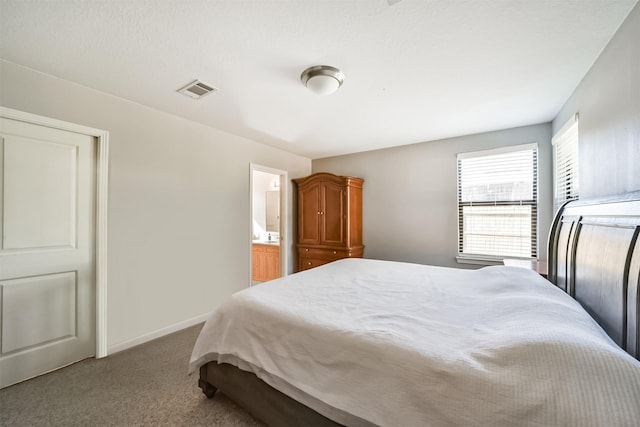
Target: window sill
<point x="478" y="260"/>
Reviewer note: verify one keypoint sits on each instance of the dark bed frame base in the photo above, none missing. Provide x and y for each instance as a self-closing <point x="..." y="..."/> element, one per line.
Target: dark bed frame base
<point x="594" y="256"/>
<point x="260" y="399"/>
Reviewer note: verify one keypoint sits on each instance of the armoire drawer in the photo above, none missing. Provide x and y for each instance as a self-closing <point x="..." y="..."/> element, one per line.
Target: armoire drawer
<point x="328" y="254"/>
<point x="306" y="263"/>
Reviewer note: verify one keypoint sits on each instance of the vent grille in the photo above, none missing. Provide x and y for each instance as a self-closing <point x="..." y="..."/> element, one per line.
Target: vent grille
<point x="197" y="89"/>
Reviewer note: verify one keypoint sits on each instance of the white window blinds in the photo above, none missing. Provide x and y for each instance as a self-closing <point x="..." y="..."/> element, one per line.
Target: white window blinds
<point x="497" y="203"/>
<point x="565" y="163"/>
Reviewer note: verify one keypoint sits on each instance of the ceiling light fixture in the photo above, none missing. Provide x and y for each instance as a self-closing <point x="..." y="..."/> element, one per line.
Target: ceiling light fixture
<point x="322" y="79"/>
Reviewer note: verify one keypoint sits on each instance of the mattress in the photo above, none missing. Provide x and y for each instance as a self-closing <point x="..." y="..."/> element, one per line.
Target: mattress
<point x="368" y="342"/>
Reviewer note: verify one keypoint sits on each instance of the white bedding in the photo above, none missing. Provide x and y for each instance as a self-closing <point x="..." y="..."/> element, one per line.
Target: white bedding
<point x="397" y="344"/>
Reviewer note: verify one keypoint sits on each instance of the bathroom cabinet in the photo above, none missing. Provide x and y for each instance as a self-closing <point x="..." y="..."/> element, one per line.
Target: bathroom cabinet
<point x="329" y="219"/>
<point x="265" y="262"/>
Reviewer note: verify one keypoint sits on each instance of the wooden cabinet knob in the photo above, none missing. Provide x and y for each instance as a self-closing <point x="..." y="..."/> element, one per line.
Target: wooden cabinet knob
<point x="306" y="250"/>
<point x="334" y="252"/>
<point x="309" y="263"/>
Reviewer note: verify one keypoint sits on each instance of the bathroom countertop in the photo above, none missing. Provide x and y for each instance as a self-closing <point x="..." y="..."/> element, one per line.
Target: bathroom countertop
<point x="266" y="242"/>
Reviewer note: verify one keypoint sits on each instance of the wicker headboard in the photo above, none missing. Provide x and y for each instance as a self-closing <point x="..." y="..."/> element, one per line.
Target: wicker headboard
<point x="594" y="255"/>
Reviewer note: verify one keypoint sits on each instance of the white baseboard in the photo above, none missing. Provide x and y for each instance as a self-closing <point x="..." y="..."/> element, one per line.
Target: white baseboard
<point x="157" y="334"/>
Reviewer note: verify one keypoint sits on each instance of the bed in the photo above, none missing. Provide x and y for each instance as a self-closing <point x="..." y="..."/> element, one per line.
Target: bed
<point x="363" y="342"/>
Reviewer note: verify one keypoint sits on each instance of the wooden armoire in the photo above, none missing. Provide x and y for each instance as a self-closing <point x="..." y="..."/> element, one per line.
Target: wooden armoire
<point x="329" y="219"/>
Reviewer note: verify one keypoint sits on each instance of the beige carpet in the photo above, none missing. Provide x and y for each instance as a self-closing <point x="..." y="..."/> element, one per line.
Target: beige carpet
<point x="126" y="389"/>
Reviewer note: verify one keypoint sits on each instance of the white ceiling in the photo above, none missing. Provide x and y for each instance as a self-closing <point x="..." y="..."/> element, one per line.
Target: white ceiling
<point x="416" y="70"/>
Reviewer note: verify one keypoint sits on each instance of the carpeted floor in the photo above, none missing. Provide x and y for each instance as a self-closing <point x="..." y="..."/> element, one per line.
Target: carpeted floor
<point x="125" y="389"/>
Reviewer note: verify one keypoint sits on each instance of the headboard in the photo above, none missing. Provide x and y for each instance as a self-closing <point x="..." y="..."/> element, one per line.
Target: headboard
<point x="594" y="256"/>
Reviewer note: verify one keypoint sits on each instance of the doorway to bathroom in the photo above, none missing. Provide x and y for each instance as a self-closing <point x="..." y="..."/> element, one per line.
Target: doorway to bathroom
<point x="268" y="191"/>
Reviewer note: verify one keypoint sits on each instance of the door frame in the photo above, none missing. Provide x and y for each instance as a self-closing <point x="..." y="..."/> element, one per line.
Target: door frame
<point x="284" y="214"/>
<point x="101" y="138"/>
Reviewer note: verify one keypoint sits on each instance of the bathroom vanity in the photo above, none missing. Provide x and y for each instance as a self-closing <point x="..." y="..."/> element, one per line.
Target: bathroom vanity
<point x="265" y="261"/>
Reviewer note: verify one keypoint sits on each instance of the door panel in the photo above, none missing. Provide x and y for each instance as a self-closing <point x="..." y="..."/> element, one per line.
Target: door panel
<point x="38" y="309"/>
<point x="272" y="262"/>
<point x="39" y="194"/>
<point x="47" y="267"/>
<point x="332" y="221"/>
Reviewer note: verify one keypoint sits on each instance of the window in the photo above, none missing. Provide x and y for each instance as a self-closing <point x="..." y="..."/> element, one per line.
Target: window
<point x="497" y="204"/>
<point x="565" y="163"/>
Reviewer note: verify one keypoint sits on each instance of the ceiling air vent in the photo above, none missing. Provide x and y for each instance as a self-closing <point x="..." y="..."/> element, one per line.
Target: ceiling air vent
<point x="197" y="89"/>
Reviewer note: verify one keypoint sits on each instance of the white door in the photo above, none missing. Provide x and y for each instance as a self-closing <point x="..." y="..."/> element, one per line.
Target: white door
<point x="47" y="249"/>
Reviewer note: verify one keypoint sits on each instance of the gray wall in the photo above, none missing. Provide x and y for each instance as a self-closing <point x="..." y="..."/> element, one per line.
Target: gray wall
<point x="410" y="193"/>
<point x="608" y="101"/>
<point x="178" y="214"/>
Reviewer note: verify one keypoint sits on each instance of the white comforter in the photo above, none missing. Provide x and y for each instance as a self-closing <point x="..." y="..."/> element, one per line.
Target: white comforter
<point x="398" y="344"/>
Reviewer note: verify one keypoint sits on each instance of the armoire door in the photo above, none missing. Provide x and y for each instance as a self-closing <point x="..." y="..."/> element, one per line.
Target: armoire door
<point x="47" y="249"/>
<point x="309" y="211"/>
<point x="332" y="215"/>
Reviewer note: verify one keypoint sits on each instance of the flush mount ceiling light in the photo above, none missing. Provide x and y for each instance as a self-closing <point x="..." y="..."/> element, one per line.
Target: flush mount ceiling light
<point x="322" y="79"/>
